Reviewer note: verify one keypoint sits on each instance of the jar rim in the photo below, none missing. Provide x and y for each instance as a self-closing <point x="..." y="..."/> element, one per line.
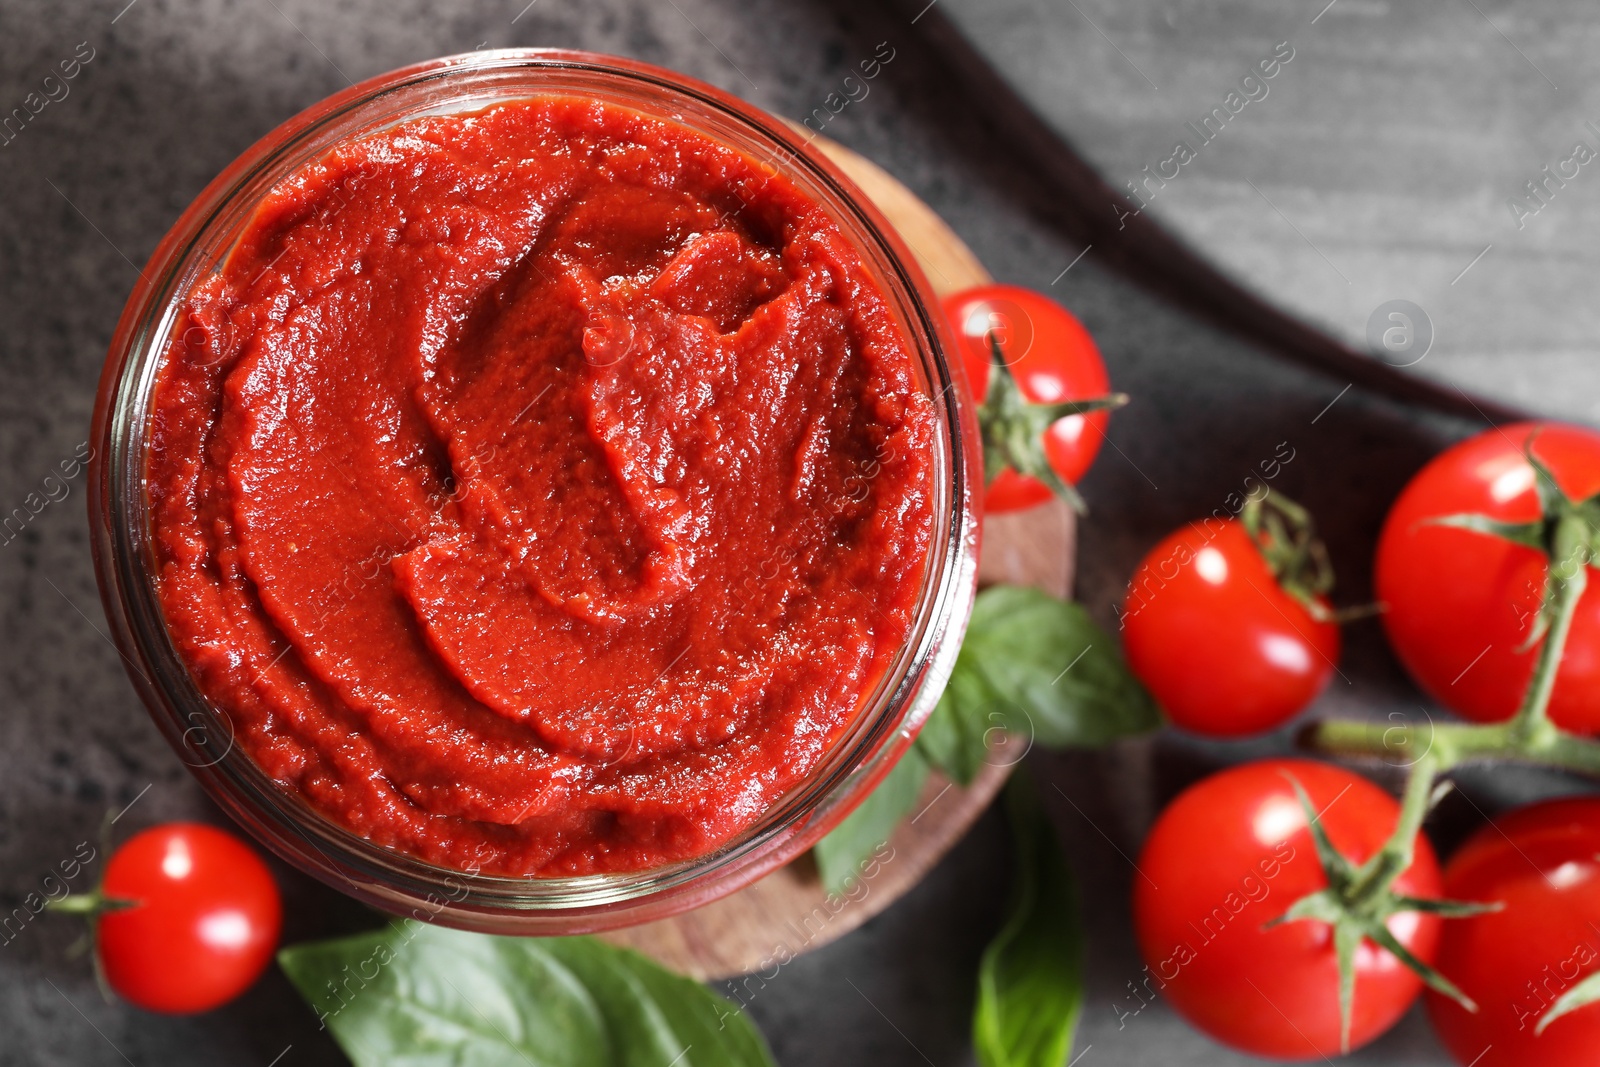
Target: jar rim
<point x="200" y="731"/>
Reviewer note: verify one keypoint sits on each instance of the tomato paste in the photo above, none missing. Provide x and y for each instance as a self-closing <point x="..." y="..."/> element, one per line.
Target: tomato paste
<point x="540" y="491"/>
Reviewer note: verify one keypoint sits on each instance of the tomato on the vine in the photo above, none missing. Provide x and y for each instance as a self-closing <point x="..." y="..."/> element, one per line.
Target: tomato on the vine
<point x="189" y="918"/>
<point x="1542" y="863"/>
<point x="1213" y="633"/>
<point x="1227" y="858"/>
<point x="1460" y="604"/>
<point x="1053" y="359"/>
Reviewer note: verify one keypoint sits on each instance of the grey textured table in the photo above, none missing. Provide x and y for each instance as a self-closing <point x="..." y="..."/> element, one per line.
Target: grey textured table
<point x="1425" y="150"/>
<point x="176" y="88"/>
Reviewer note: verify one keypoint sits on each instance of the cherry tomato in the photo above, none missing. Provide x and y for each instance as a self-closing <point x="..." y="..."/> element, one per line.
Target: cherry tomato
<point x="1217" y="641"/>
<point x="1053" y="359"/>
<point x="1543" y="863"/>
<point x="1231" y="854"/>
<point x="203" y="923"/>
<point x="1460" y="604"/>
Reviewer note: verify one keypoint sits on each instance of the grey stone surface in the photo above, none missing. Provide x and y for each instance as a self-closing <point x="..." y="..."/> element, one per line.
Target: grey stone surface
<point x="1377" y="164"/>
<point x="177" y="88"/>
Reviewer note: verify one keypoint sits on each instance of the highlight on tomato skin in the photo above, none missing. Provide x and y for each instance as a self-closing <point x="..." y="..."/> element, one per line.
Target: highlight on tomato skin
<point x="1053" y="358"/>
<point x="1542" y="862"/>
<point x="1460" y="604"/>
<point x="193" y="920"/>
<point x="1227" y="858"/>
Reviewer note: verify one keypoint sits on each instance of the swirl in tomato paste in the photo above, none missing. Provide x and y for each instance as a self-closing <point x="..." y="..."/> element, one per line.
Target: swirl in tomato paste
<point x="540" y="491"/>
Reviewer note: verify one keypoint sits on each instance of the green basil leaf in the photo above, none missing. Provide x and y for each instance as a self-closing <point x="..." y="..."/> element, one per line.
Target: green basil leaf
<point x="658" y="1018"/>
<point x="1030" y="980"/>
<point x="955" y="739"/>
<point x="1060" y="677"/>
<point x="1034" y="666"/>
<point x="417" y="995"/>
<point x="842" y="854"/>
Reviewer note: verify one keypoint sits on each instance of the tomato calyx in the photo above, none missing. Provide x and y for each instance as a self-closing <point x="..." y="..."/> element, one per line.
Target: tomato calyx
<point x="1013" y="428"/>
<point x="1581" y="995"/>
<point x="92" y="905"/>
<point x="1360" y="899"/>
<point x="95" y="902"/>
<point x="1286" y="536"/>
<point x="1567" y="532"/>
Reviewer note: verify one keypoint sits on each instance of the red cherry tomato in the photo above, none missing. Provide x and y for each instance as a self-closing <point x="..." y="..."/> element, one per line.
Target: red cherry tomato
<point x="1460" y="604"/>
<point x="1543" y="863"/>
<point x="203" y="923"/>
<point x="1053" y="359"/>
<point x="1230" y="855"/>
<point x="1215" y="638"/>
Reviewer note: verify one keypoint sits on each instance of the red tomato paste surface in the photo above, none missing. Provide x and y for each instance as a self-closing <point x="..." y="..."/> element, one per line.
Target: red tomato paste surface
<point x="540" y="491"/>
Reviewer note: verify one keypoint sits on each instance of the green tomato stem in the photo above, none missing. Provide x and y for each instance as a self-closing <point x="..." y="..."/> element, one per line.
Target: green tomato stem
<point x="1377" y="876"/>
<point x="1452" y="744"/>
<point x="77" y="904"/>
<point x="91" y="904"/>
<point x="1567" y="575"/>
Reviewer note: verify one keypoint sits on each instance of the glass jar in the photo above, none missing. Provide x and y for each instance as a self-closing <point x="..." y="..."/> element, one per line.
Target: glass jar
<point x="202" y="733"/>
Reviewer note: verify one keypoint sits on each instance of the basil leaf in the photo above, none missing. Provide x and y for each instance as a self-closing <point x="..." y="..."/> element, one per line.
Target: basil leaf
<point x="658" y="1018"/>
<point x="846" y="849"/>
<point x="955" y="739"/>
<point x="1030" y="980"/>
<point x="1060" y="678"/>
<point x="417" y="995"/>
<point x="1031" y="665"/>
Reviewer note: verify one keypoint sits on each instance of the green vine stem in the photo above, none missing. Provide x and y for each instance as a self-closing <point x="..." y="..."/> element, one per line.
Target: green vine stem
<point x="1392" y="860"/>
<point x="1567" y="576"/>
<point x="90" y="904"/>
<point x="1452" y="744"/>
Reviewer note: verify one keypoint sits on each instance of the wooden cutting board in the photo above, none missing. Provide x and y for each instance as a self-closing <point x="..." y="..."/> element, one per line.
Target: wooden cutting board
<point x="787" y="913"/>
